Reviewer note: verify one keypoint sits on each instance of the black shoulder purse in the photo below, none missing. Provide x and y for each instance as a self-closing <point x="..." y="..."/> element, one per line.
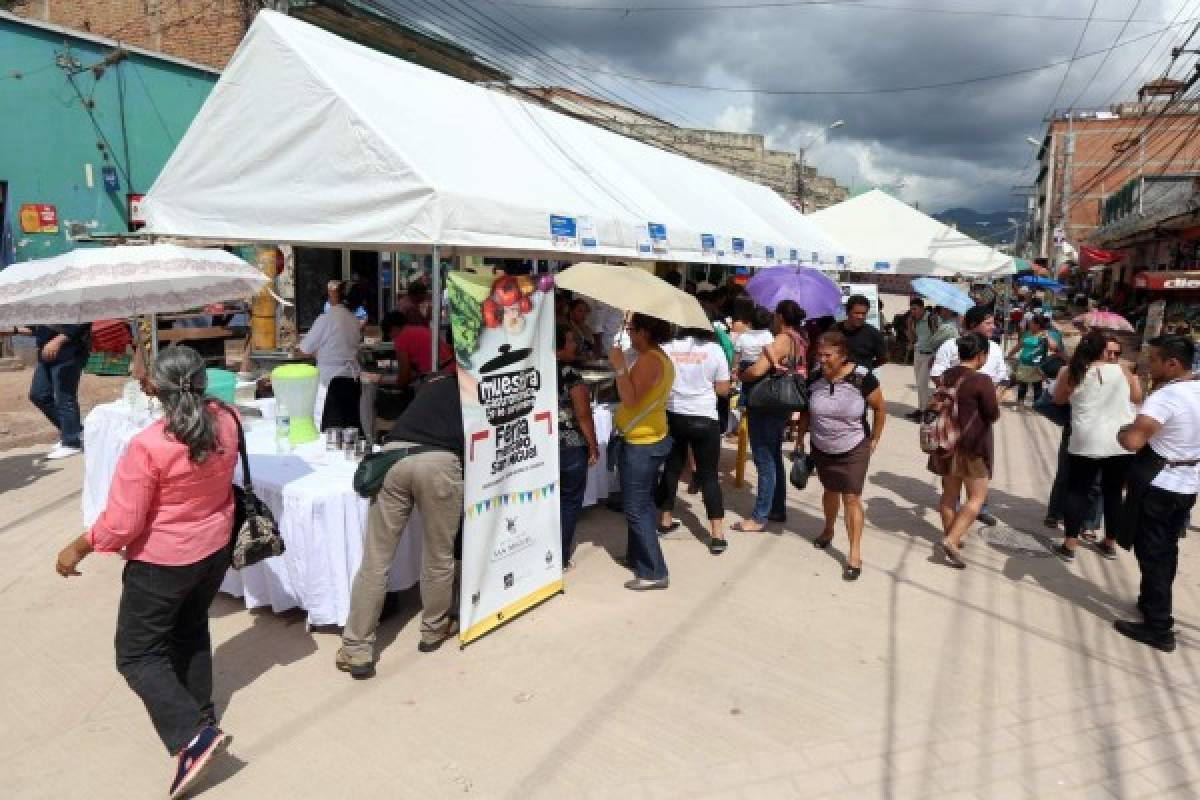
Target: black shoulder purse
<point x="255" y="532"/>
<point x="779" y="392"/>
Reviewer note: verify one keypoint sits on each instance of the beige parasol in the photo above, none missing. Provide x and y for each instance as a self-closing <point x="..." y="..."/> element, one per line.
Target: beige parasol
<point x="633" y="289"/>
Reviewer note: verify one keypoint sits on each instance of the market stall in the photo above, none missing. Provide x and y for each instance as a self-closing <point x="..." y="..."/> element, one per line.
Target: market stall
<point x="309" y="490"/>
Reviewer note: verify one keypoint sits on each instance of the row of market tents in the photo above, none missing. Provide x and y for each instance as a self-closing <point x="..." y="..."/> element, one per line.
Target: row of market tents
<point x="310" y="139"/>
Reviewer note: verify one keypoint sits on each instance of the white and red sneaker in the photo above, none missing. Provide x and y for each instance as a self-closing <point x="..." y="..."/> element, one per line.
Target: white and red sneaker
<point x="196" y="757"/>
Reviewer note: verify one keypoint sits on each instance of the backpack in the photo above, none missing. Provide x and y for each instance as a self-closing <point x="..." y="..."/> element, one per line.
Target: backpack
<point x="940" y="428"/>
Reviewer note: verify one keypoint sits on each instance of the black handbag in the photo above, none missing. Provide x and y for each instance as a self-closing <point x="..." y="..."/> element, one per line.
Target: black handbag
<point x="802" y="468"/>
<point x="779" y="392"/>
<point x="255" y="532"/>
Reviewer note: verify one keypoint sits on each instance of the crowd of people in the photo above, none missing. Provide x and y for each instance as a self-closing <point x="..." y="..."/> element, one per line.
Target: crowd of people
<point x="171" y="507"/>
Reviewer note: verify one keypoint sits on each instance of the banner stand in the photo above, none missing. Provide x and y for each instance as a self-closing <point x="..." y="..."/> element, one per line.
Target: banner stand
<point x="503" y="335"/>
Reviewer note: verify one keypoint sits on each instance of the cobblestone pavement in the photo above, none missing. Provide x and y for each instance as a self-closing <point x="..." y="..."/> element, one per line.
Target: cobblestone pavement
<point x="758" y="674"/>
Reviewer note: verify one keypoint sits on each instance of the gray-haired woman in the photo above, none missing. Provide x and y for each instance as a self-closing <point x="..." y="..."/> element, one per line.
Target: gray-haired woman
<point x="171" y="510"/>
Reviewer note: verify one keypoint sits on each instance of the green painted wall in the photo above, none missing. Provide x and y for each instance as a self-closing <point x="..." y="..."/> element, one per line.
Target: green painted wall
<point x="142" y="106"/>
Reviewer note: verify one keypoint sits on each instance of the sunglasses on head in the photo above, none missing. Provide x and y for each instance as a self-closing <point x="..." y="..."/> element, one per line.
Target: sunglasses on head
<point x="1112" y="353"/>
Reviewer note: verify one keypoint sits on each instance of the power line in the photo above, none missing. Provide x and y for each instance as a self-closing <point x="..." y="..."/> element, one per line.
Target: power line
<point x="626" y="11"/>
<point x="647" y="94"/>
<point x="1100" y="68"/>
<point x="881" y="90"/>
<point x="1074" y="55"/>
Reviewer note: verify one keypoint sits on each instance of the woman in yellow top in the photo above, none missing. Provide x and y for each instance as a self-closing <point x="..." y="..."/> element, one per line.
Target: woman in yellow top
<point x="642" y="419"/>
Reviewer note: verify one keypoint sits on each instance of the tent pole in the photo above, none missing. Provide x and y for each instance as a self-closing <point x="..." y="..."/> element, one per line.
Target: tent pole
<point x="435" y="307"/>
<point x="153" y="338"/>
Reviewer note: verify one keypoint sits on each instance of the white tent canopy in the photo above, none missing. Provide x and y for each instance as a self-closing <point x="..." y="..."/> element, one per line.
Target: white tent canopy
<point x="311" y="139"/>
<point x="884" y="234"/>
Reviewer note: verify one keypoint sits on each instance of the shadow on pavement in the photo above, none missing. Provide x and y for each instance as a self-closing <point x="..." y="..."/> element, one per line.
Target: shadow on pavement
<point x="273" y="640"/>
<point x="19" y="471"/>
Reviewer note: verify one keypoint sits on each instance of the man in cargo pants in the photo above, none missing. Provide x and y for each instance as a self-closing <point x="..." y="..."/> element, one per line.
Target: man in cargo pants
<point x="430" y="480"/>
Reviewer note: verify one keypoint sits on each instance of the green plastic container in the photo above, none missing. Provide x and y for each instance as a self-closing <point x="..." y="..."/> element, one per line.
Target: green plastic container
<point x="221" y="384"/>
<point x="295" y="387"/>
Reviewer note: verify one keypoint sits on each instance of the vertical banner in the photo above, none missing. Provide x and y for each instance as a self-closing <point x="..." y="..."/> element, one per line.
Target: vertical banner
<point x="512" y="545"/>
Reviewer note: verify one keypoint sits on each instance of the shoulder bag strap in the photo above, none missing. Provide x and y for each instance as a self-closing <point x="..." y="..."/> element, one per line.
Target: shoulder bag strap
<point x="247" y="484"/>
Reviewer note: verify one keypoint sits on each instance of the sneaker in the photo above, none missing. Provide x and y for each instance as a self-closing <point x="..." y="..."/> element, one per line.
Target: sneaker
<point x="62" y="451"/>
<point x="196" y="757"/>
<point x="359" y="667"/>
<point x="1065" y="553"/>
<point x="1107" y="549"/>
<point x="644" y="584"/>
<point x="986" y="519"/>
<point x="717" y="546"/>
<point x="1141" y="632"/>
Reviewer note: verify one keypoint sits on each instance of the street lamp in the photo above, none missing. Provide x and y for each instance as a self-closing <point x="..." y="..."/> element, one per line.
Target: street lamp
<point x="837" y="123"/>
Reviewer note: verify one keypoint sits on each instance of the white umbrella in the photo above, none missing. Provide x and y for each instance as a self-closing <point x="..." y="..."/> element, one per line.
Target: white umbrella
<point x="114" y="282"/>
<point x="632" y="289"/>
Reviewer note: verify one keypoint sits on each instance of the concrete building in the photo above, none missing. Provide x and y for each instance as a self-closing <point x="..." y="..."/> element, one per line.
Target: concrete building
<point x="743" y="154"/>
<point x="1093" y="154"/>
<point x="208" y="31"/>
<point x="1155" y="222"/>
<point x="88" y="125"/>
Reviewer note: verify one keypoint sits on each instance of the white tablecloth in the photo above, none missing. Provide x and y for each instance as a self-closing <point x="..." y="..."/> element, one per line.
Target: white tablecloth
<point x="322" y="520"/>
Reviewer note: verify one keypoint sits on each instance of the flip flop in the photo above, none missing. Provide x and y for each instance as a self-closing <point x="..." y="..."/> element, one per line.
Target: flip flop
<point x="952" y="555"/>
<point x="674" y="526"/>
<point x="738" y="526"/>
<point x="821" y="542"/>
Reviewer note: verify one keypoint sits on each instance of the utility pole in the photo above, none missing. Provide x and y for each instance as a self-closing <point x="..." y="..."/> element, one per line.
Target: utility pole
<point x="1068" y="153"/>
<point x="1051" y="166"/>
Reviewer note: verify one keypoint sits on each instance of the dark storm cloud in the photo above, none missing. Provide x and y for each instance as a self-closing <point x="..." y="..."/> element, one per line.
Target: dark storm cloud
<point x="951" y="146"/>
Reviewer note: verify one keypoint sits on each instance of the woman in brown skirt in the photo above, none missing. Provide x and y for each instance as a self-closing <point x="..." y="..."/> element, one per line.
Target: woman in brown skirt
<point x="841" y="440"/>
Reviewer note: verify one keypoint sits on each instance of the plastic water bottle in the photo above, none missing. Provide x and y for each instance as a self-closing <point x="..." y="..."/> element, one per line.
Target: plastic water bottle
<point x="283" y="429"/>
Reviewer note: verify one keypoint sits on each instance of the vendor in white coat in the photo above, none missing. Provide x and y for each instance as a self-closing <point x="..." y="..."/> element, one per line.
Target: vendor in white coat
<point x="333" y="342"/>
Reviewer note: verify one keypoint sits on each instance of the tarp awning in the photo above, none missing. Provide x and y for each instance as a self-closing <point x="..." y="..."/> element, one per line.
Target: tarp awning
<point x="312" y="139"/>
<point x="887" y="235"/>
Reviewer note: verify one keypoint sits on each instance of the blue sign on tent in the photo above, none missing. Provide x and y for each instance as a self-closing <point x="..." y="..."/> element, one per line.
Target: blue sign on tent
<point x="739" y="245"/>
<point x="841" y="261"/>
<point x="562" y="227"/>
<point x="882" y="266"/>
<point x="111" y="182"/>
<point x="658" y="231"/>
<point x="708" y="242"/>
<point x="793" y="255"/>
<point x="770" y="251"/>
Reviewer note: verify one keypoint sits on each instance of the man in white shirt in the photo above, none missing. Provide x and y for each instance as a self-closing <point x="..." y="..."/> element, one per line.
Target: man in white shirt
<point x="333" y="341"/>
<point x="1163" y="483"/>
<point x="978" y="320"/>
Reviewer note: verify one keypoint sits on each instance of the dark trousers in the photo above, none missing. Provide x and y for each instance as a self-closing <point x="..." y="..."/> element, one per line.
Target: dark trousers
<point x="572" y="477"/>
<point x="1081" y="475"/>
<point x="163" y="648"/>
<point x="766" y="431"/>
<point x="638" y="472"/>
<point x="703" y="436"/>
<point x="1022" y="388"/>
<point x="1056" y="508"/>
<point x="342" y="404"/>
<point x="55" y="391"/>
<point x="1161" y="518"/>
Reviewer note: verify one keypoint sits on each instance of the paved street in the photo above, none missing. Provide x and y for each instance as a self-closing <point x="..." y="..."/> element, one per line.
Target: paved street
<point x="758" y="674"/>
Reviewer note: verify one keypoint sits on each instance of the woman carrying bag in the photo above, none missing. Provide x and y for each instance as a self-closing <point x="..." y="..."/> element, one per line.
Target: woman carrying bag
<point x="786" y="356"/>
<point x="171" y="509"/>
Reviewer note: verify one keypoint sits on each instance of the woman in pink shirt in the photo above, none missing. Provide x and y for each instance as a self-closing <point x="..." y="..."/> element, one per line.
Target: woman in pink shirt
<point x="171" y="511"/>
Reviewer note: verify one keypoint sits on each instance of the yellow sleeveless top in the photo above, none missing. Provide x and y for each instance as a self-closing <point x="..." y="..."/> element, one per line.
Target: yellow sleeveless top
<point x="651" y="428"/>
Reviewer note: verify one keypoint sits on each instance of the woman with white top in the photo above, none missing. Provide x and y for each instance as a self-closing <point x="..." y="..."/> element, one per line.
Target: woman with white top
<point x="1102" y="392"/>
<point x="701" y="375"/>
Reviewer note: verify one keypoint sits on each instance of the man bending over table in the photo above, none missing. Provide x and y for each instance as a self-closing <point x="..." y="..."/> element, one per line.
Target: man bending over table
<point x="429" y="479"/>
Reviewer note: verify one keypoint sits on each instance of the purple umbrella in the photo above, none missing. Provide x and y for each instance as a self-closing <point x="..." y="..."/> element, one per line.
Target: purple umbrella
<point x="812" y="289"/>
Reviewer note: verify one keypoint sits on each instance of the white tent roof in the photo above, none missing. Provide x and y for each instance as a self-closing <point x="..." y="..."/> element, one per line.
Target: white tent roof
<point x="878" y="229"/>
<point x="309" y="138"/>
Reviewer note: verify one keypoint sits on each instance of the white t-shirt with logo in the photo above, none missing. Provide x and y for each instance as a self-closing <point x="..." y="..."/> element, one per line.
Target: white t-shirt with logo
<point x="698" y="365"/>
<point x="1176" y="407"/>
